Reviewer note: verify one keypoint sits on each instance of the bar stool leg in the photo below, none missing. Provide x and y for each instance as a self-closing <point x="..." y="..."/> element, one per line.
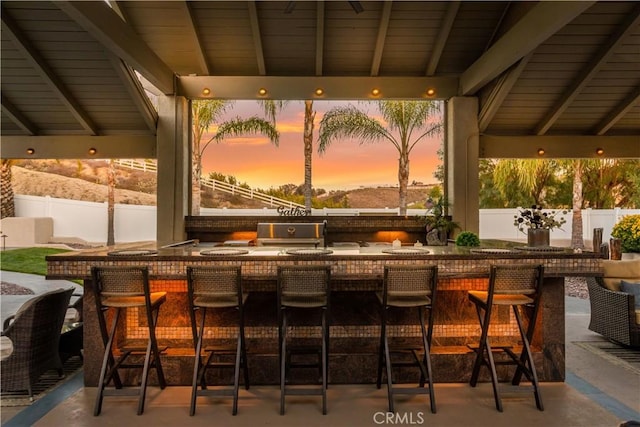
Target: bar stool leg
<point x="244" y="362"/>
<point x="383" y="331"/>
<point x="107" y="359"/>
<point x="236" y="374"/>
<point x="197" y="361"/>
<point x="324" y="361"/>
<point x="485" y="346"/>
<point x="427" y="358"/>
<point x="283" y="351"/>
<point x="388" y="367"/>
<point x="526" y="352"/>
<point x="152" y="352"/>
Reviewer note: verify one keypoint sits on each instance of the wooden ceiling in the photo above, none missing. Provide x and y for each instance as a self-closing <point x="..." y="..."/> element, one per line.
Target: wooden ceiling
<point x="69" y="69"/>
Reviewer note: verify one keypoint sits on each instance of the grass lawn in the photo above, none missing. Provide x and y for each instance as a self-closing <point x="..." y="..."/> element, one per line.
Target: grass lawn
<point x="27" y="260"/>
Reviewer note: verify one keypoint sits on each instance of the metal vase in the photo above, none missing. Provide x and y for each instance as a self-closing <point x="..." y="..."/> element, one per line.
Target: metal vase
<point x="597" y="239"/>
<point x="538" y="237"/>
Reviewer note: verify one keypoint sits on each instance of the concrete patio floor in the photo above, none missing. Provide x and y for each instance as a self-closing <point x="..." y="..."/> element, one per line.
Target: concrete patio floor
<point x="597" y="392"/>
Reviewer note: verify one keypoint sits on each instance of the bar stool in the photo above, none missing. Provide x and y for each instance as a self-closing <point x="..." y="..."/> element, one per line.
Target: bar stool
<point x="408" y="287"/>
<point x="214" y="288"/>
<point x="303" y="287"/>
<point x="518" y="287"/>
<point x="118" y="288"/>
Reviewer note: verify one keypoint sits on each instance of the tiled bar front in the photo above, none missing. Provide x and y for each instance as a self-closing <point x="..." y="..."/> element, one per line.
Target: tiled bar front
<point x="354" y="312"/>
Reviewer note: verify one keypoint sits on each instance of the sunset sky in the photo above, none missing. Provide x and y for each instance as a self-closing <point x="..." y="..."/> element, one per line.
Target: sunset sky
<point x="345" y="164"/>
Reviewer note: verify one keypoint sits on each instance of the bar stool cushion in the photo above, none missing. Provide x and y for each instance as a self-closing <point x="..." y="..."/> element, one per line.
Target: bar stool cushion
<point x="133" y="301"/>
<point x="402" y="299"/>
<point x="500" y="299"/>
<point x="220" y="300"/>
<point x="306" y="300"/>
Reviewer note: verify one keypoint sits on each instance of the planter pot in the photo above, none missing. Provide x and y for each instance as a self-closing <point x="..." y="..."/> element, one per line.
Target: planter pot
<point x="537" y="237"/>
<point x="437" y="237"/>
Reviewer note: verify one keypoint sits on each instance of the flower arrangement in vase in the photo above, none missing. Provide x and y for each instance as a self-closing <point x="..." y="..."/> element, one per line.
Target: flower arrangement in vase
<point x="538" y="224"/>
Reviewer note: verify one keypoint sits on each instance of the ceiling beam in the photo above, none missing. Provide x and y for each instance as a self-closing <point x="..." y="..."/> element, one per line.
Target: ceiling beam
<point x="77" y="147"/>
<point x="257" y="37"/>
<point x="319" y="37"/>
<point x="41" y="66"/>
<point x="298" y="88"/>
<point x="136" y="91"/>
<point x="558" y="147"/>
<point x="618" y="112"/>
<point x="544" y="20"/>
<point x="194" y="36"/>
<point x="17" y="117"/>
<point x="117" y="36"/>
<point x="500" y="92"/>
<point x="590" y="70"/>
<point x="443" y="36"/>
<point x="382" y="36"/>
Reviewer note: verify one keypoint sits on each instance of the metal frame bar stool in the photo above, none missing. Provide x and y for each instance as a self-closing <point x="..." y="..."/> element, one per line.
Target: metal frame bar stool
<point x="118" y="288"/>
<point x="517" y="287"/>
<point x="303" y="287"/>
<point x="215" y="288"/>
<point x="408" y="286"/>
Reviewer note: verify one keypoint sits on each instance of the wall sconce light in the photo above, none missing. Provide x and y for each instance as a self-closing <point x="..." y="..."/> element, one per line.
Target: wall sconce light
<point x="319" y="91"/>
<point x="92" y="151"/>
<point x="262" y="91"/>
<point x="206" y="91"/>
<point x="599" y="151"/>
<point x="30" y="151"/>
<point x="431" y="92"/>
<point x="375" y="92"/>
<point x="540" y="151"/>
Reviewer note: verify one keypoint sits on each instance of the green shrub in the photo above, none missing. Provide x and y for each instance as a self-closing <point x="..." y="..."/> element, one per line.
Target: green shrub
<point x="467" y="238"/>
<point x="628" y="231"/>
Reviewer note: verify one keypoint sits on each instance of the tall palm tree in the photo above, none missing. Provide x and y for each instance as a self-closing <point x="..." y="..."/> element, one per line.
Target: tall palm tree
<point x="309" y="117"/>
<point x="399" y="121"/>
<point x="206" y="114"/>
<point x="7" y="204"/>
<point x="529" y="177"/>
<point x="111" y="202"/>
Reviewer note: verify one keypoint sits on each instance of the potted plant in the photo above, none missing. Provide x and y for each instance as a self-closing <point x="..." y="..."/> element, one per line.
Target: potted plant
<point x="538" y="224"/>
<point x="628" y="231"/>
<point x="467" y="238"/>
<point x="438" y="225"/>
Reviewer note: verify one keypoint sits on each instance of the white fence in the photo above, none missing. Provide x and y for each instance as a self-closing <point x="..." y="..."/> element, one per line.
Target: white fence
<point x="88" y="220"/>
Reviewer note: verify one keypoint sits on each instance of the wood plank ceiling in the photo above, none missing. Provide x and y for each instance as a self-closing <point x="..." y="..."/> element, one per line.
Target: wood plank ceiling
<point x="538" y="69"/>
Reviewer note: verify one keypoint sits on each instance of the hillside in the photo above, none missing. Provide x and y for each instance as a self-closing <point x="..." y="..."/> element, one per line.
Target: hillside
<point x="70" y="179"/>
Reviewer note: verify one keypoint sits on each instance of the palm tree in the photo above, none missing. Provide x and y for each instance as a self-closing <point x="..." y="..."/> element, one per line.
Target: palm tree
<point x="524" y="179"/>
<point x="399" y="121"/>
<point x="8" y="203"/>
<point x="309" y="117"/>
<point x="207" y="113"/>
<point x="111" y="202"/>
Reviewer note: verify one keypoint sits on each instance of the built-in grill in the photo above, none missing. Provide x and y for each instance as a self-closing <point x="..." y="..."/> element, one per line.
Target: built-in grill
<point x="292" y="234"/>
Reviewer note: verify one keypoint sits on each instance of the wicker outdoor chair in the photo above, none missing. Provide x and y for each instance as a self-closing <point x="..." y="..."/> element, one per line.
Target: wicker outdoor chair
<point x="613" y="314"/>
<point x="35" y="333"/>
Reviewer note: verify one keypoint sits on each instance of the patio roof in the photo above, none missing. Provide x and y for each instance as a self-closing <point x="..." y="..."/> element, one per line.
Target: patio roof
<point x="561" y="72"/>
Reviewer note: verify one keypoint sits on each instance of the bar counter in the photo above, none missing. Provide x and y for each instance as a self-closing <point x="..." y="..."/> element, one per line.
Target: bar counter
<point x="356" y="275"/>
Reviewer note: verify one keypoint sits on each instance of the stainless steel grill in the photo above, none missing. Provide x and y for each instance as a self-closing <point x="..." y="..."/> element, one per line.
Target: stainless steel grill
<point x="291" y="234"/>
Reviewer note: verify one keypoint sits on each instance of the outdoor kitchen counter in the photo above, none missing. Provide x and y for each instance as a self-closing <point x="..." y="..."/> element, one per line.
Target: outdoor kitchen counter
<point x="356" y="273"/>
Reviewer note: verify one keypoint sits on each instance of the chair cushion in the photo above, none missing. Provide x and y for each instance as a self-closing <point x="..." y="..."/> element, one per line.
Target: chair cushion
<point x="615" y="271"/>
<point x="134" y="301"/>
<point x="499" y="299"/>
<point x="633" y="289"/>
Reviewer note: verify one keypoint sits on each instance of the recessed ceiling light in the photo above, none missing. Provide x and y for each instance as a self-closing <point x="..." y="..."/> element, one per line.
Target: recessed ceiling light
<point x="599" y="151"/>
<point x="30" y="151"/>
<point x="92" y="151"/>
<point x="206" y="91"/>
<point x="375" y="92"/>
<point x="540" y="151"/>
<point x="319" y="91"/>
<point x="431" y="92"/>
<point x="262" y="91"/>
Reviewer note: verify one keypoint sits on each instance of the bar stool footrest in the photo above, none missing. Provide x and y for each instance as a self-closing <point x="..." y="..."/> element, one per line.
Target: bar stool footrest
<point x="410" y="390"/>
<point x="141" y="350"/>
<point x="303" y="391"/>
<point x="216" y="392"/>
